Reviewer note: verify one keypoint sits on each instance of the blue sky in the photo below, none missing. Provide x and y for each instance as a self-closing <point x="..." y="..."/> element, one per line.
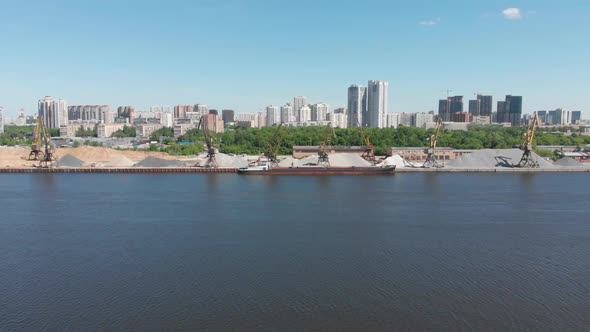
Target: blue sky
<point x="246" y="54"/>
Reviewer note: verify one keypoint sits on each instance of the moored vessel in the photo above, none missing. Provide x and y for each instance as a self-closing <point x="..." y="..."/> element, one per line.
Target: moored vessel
<point x="265" y="168"/>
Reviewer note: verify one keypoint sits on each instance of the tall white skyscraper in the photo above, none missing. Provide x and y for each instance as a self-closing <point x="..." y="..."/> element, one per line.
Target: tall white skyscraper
<point x="53" y="112"/>
<point x="304" y="114"/>
<point x="287" y="114"/>
<point x="357" y="105"/>
<point x="319" y="112"/>
<point x="298" y="102"/>
<point x="1" y="120"/>
<point x="377" y="103"/>
<point x="272" y="115"/>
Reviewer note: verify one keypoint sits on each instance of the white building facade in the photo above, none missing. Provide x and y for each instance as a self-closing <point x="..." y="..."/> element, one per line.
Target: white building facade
<point x="377" y="103"/>
<point x="272" y="115"/>
<point x="53" y="112"/>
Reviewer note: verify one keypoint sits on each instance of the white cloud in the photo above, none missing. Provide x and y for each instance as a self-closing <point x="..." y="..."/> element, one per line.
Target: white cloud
<point x="512" y="14"/>
<point x="430" y="22"/>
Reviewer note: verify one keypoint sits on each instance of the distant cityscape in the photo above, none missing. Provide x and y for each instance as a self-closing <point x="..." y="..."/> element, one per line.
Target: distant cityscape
<point x="366" y="106"/>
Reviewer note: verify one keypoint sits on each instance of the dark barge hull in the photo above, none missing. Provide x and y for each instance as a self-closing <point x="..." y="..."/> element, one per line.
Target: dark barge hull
<point x="311" y="170"/>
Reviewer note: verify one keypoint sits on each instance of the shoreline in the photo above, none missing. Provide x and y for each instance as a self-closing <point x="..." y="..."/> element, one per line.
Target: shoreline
<point x="169" y="170"/>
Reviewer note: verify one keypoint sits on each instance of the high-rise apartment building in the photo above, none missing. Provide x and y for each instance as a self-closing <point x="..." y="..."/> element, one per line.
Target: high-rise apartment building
<point x="227" y="116"/>
<point x="502" y="112"/>
<point x="181" y="110"/>
<point x="319" y="112"/>
<point x="446" y="107"/>
<point x="357" y="105"/>
<point x="97" y="113"/>
<point x="272" y="115"/>
<point x="444" y="110"/>
<point x="53" y="112"/>
<point x="287" y="115"/>
<point x="475" y="107"/>
<point x="392" y="120"/>
<point x="298" y="102"/>
<point x="376" y="103"/>
<point x="485" y="105"/>
<point x="576" y="116"/>
<point x="514" y="108"/>
<point x="338" y="119"/>
<point x="304" y="114"/>
<point x="201" y="109"/>
<point x="422" y="120"/>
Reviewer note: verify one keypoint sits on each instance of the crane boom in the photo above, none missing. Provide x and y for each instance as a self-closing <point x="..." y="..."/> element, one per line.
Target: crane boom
<point x="527" y="159"/>
<point x="211" y="160"/>
<point x="323" y="158"/>
<point x="368" y="154"/>
<point x="273" y="145"/>
<point x="431" y="160"/>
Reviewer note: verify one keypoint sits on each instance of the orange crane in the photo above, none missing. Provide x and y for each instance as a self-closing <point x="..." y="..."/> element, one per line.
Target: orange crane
<point x="527" y="160"/>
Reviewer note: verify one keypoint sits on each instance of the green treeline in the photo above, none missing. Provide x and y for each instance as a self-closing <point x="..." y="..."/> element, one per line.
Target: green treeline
<point x="253" y="140"/>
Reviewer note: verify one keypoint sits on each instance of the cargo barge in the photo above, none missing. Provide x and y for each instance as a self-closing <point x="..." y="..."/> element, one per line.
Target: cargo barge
<point x="266" y="169"/>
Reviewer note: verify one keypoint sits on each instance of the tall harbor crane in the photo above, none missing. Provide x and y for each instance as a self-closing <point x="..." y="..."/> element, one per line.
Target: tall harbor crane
<point x="527" y="160"/>
<point x="431" y="150"/>
<point x="369" y="153"/>
<point x="211" y="161"/>
<point x="323" y="159"/>
<point x="38" y="133"/>
<point x="41" y="148"/>
<point x="273" y="145"/>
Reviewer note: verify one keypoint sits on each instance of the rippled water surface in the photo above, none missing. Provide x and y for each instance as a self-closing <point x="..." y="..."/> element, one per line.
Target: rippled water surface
<point x="227" y="252"/>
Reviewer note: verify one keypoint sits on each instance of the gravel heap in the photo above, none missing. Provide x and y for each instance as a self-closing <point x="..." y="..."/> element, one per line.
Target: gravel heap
<point x="393" y="160"/>
<point x="568" y="162"/>
<point x="290" y="162"/>
<point x="119" y="161"/>
<point x="225" y="160"/>
<point x="69" y="161"/>
<point x="488" y="158"/>
<point x="158" y="162"/>
<point x="339" y="160"/>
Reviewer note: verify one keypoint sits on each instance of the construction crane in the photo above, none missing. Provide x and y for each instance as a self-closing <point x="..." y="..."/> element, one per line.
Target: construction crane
<point x="38" y="133"/>
<point x="323" y="159"/>
<point x="431" y="150"/>
<point x="211" y="161"/>
<point x="527" y="160"/>
<point x="273" y="144"/>
<point x="369" y="153"/>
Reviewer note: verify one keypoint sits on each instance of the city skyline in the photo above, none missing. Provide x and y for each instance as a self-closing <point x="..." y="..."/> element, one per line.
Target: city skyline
<point x="149" y="54"/>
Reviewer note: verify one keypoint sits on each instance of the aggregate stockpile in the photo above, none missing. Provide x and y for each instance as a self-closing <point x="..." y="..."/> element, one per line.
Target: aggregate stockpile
<point x="336" y="160"/>
<point x="489" y="158"/>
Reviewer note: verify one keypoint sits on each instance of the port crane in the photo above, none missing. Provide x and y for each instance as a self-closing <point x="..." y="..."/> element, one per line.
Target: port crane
<point x="527" y="160"/>
<point x="211" y="161"/>
<point x="431" y="150"/>
<point x="323" y="159"/>
<point x="38" y="133"/>
<point x="41" y="140"/>
<point x="369" y="153"/>
<point x="273" y="145"/>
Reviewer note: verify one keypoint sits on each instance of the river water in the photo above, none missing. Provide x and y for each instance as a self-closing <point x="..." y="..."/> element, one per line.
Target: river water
<point x="228" y="252"/>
